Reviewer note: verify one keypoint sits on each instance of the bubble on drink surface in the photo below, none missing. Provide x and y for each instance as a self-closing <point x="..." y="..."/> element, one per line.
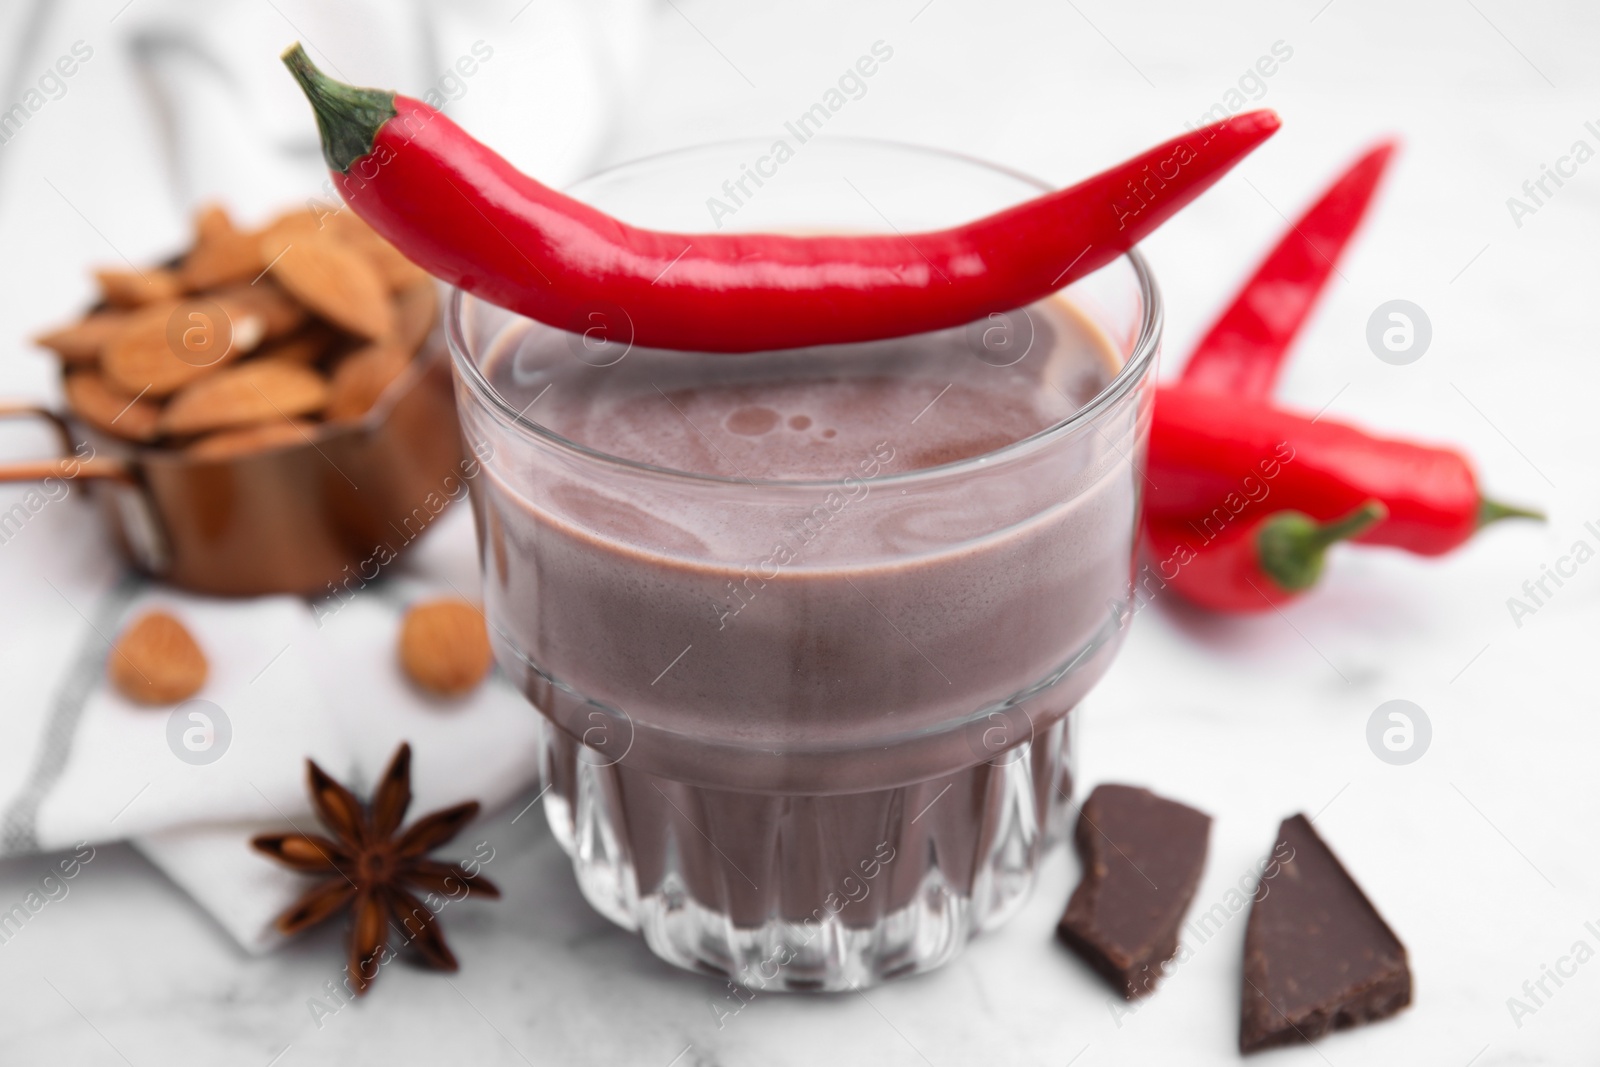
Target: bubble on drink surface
<point x="1399" y="332"/>
<point x="751" y="421"/>
<point x="199" y="732"/>
<point x="605" y="337"/>
<point x="1399" y="732"/>
<point x="799" y="422"/>
<point x="1001" y="735"/>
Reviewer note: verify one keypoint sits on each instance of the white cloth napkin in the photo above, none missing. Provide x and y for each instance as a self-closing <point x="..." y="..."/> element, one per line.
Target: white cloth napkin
<point x="178" y="103"/>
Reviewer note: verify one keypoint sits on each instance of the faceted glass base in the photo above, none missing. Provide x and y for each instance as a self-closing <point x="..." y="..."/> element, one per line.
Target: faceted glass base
<point x="809" y="893"/>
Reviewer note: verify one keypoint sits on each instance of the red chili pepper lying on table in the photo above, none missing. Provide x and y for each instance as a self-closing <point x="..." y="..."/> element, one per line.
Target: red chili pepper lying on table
<point x="1255" y="565"/>
<point x="1244" y="350"/>
<point x="1212" y="458"/>
<point x="1207" y="452"/>
<point x="465" y="215"/>
<point x="1218" y="448"/>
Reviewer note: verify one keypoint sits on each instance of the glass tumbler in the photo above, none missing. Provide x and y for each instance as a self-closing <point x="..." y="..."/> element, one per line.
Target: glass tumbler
<point x="805" y="735"/>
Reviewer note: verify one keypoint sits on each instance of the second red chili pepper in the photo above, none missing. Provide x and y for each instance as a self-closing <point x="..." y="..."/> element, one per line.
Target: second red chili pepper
<point x="1209" y="452"/>
<point x="1243" y="352"/>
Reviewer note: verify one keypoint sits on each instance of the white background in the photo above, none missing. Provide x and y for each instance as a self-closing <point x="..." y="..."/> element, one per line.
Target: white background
<point x="1481" y="855"/>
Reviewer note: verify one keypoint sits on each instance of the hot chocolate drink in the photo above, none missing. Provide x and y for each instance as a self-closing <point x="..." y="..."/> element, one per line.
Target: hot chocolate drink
<point x="807" y="625"/>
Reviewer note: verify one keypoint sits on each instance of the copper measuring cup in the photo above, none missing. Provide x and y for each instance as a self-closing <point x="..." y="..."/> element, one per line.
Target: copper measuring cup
<point x="303" y="518"/>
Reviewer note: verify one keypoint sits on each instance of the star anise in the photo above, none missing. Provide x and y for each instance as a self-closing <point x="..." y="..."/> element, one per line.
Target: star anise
<point x="372" y="868"/>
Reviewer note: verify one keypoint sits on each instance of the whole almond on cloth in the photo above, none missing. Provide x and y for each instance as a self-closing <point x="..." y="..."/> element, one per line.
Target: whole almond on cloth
<point x="156" y="661"/>
<point x="337" y="283"/>
<point x="361" y="378"/>
<point x="82" y="341"/>
<point x="222" y="252"/>
<point x="166" y="346"/>
<point x="257" y="391"/>
<point x="111" y="412"/>
<point x="230" y="444"/>
<point x="131" y="288"/>
<point x="444" y="646"/>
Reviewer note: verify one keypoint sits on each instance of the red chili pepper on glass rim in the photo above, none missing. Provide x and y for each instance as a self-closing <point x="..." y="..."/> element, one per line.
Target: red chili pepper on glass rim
<point x="1251" y="565"/>
<point x="464" y="214"/>
<point x="1206" y="448"/>
<point x="1244" y="350"/>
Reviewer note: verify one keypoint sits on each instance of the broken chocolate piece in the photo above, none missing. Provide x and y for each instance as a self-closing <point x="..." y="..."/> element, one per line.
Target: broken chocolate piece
<point x="1317" y="955"/>
<point x="1142" y="857"/>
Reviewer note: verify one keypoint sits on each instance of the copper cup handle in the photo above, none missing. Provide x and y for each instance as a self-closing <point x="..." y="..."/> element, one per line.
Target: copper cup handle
<point x="69" y="467"/>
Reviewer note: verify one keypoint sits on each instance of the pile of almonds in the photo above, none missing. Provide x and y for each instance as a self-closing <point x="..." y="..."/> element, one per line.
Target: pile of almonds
<point x="250" y="339"/>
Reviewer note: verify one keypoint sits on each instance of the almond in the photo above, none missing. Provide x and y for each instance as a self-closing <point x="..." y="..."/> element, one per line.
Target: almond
<point x="131" y="288"/>
<point x="212" y="222"/>
<point x="230" y="444"/>
<point x="222" y="253"/>
<point x="130" y="418"/>
<point x="156" y="661"/>
<point x="166" y="346"/>
<point x="282" y="232"/>
<point x="305" y="347"/>
<point x="394" y="268"/>
<point x="361" y="377"/>
<point x="416" y="311"/>
<point x="281" y="315"/>
<point x="258" y="391"/>
<point x="82" y="341"/>
<point x="444" y="646"/>
<point x="338" y="283"/>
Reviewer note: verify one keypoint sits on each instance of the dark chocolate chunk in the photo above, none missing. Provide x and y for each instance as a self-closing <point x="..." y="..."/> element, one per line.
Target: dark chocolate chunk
<point x="1142" y="857"/>
<point x="1317" y="955"/>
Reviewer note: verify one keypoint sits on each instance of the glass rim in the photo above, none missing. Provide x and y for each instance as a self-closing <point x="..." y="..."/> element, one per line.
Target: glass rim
<point x="1133" y="370"/>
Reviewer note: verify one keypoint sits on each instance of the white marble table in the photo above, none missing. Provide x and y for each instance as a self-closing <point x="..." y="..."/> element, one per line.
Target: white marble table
<point x="1482" y="855"/>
